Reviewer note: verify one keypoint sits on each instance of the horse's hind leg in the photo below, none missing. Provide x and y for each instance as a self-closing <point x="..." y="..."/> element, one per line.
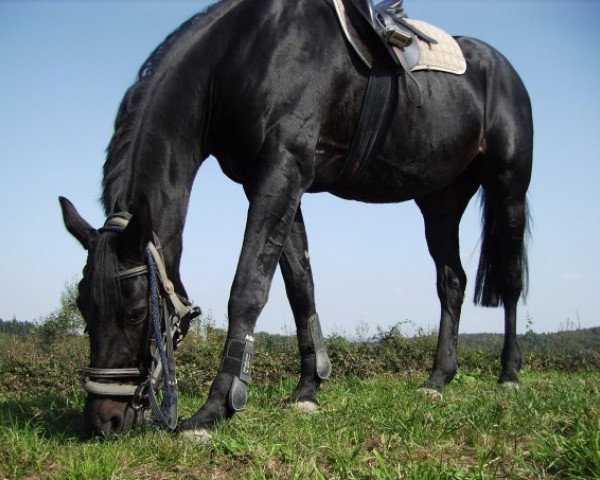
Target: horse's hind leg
<point x="505" y="176"/>
<point x="442" y="212"/>
<point x="502" y="272"/>
<point x="297" y="275"/>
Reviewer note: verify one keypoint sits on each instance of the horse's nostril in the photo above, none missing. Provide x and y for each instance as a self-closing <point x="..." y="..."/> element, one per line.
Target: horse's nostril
<point x="116" y="422"/>
<point x="106" y="417"/>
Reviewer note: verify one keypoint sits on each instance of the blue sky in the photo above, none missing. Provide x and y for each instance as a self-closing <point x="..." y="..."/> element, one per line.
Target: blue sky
<point x="65" y="66"/>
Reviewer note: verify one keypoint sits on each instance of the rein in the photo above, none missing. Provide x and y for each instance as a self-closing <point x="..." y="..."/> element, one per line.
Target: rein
<point x="167" y="310"/>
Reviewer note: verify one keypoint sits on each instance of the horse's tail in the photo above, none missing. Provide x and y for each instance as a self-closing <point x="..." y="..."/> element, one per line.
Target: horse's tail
<point x="492" y="274"/>
<point x="497" y="241"/>
<point x="502" y="275"/>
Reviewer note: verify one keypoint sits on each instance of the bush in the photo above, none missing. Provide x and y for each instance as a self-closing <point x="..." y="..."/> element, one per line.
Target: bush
<point x="52" y="357"/>
<point x="66" y="320"/>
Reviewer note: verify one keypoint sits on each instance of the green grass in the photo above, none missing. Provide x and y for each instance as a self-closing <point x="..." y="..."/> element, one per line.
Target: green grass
<point x="380" y="427"/>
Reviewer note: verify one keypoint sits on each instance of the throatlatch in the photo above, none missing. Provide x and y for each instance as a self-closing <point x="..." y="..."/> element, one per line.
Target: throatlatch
<point x="237" y="362"/>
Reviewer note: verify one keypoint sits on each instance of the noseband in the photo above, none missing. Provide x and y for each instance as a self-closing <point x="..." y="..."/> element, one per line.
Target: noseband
<point x="168" y="312"/>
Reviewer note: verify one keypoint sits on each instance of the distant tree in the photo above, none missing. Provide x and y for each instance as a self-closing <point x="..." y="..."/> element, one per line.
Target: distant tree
<point x="16" y="327"/>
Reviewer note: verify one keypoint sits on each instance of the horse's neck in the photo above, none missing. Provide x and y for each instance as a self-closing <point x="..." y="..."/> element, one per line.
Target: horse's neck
<point x="148" y="154"/>
<point x="148" y="157"/>
<point x="166" y="185"/>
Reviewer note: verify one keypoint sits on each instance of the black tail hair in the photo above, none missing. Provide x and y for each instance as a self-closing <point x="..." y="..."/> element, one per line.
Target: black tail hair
<point x="495" y="242"/>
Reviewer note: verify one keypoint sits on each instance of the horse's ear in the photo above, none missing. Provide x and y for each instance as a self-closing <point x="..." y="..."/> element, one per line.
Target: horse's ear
<point x="76" y="225"/>
<point x="134" y="239"/>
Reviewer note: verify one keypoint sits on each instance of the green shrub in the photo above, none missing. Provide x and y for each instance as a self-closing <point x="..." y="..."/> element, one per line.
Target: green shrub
<point x="64" y="321"/>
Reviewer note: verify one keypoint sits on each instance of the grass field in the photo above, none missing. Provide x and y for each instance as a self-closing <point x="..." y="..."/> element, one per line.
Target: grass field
<point x="379" y="427"/>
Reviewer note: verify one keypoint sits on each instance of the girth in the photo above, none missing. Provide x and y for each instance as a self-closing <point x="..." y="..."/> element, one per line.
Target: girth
<point x="389" y="44"/>
<point x="378" y="104"/>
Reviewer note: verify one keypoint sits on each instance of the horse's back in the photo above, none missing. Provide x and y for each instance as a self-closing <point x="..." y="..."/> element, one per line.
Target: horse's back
<point x="296" y="83"/>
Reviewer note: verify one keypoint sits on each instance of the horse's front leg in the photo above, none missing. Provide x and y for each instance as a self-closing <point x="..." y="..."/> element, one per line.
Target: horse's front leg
<point x="315" y="365"/>
<point x="274" y="196"/>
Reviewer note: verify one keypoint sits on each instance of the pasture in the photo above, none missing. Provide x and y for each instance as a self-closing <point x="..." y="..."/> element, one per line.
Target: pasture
<point x="373" y="423"/>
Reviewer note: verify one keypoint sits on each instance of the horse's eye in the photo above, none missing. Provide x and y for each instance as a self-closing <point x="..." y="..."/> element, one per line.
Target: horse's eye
<point x="137" y="316"/>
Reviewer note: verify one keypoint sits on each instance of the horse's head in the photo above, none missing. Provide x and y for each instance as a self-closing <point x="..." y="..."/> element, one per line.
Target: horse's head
<point x="128" y="305"/>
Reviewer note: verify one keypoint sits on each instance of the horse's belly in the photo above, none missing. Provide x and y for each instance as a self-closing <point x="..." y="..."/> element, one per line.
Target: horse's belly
<point x="398" y="178"/>
<point x="393" y="186"/>
<point x="426" y="150"/>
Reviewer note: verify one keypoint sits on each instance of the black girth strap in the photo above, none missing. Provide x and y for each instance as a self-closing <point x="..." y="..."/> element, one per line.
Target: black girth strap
<point x="377" y="110"/>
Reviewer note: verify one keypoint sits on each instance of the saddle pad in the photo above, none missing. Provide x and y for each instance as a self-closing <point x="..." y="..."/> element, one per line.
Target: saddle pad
<point x="445" y="56"/>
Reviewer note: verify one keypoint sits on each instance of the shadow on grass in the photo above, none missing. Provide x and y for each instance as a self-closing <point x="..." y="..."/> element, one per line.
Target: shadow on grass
<point x="52" y="416"/>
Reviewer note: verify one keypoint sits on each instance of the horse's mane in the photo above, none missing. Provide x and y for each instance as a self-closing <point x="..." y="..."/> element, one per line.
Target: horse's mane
<point x="105" y="265"/>
<point x="115" y="173"/>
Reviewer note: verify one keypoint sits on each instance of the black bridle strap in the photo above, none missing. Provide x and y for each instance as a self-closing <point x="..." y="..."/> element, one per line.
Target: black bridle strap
<point x="180" y="308"/>
<point x="166" y="418"/>
<point x="119" y="221"/>
<point x="133" y="272"/>
<point x="106" y="373"/>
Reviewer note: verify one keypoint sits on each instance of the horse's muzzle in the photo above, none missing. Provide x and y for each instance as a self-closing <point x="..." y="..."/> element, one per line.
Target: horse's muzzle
<point x="109" y="416"/>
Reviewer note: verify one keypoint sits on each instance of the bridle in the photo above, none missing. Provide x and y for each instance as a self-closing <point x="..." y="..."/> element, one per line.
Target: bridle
<point x="168" y="314"/>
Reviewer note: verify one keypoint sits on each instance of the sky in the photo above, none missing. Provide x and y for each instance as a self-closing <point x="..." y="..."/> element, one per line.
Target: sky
<point x="65" y="65"/>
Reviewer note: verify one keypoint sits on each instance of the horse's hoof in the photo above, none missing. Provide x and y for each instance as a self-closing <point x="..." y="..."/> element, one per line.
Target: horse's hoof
<point x="431" y="393"/>
<point x="510" y="385"/>
<point x="305" y="406"/>
<point x="200" y="436"/>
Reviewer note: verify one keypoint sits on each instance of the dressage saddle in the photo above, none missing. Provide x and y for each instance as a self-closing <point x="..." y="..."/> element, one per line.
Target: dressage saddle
<point x="387" y="20"/>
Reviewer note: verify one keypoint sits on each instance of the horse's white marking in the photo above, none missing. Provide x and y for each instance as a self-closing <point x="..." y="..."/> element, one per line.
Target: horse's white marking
<point x="198" y="437"/>
<point x="510" y="385"/>
<point x="432" y="394"/>
<point x="306" y="406"/>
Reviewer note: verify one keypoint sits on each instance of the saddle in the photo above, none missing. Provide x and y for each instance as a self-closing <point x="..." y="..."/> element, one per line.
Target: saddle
<point x="412" y="44"/>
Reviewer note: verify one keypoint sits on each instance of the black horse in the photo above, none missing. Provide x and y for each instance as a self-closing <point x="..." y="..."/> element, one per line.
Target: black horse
<point x="273" y="91"/>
